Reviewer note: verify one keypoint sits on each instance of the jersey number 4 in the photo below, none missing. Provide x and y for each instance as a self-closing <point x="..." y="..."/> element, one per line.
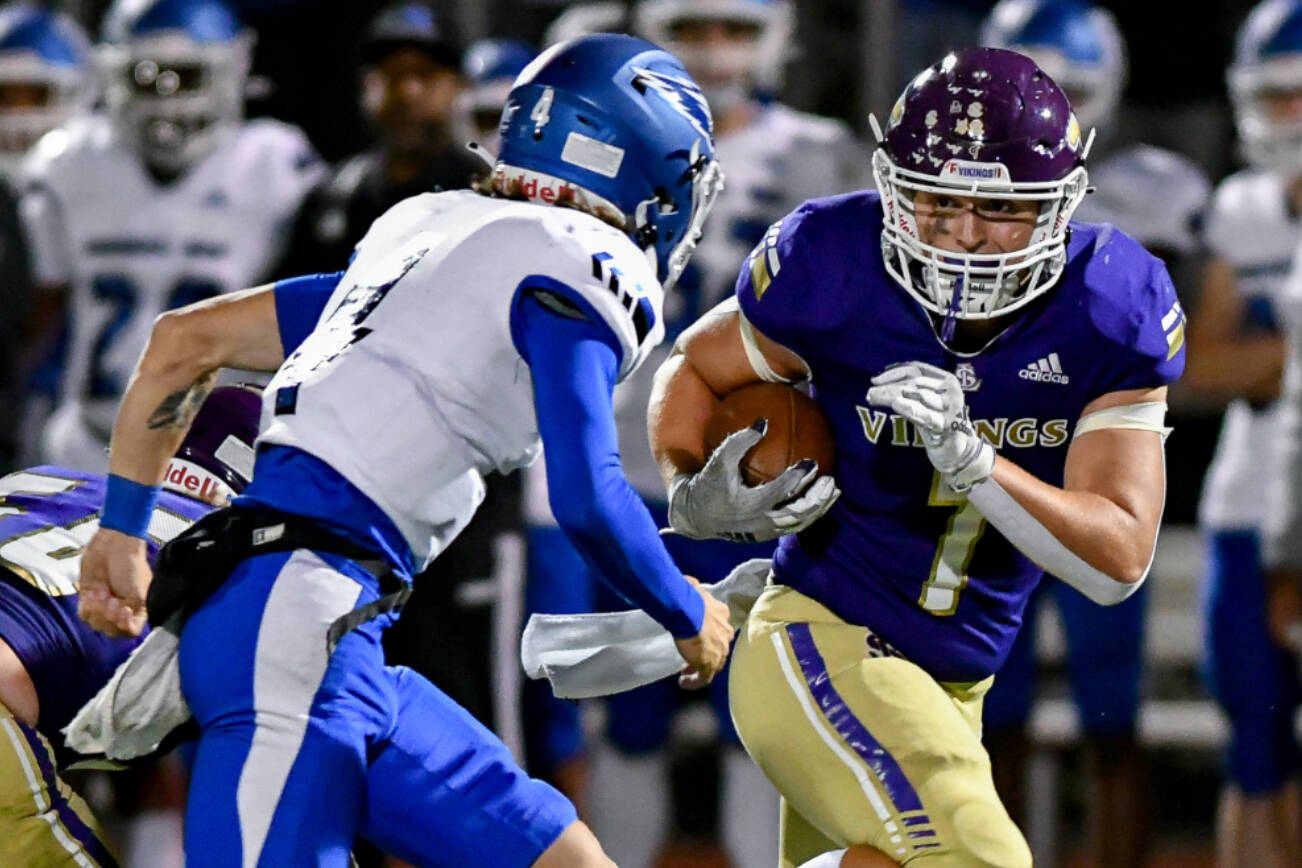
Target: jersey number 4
<point x="954" y="552"/>
<point x="121" y="296"/>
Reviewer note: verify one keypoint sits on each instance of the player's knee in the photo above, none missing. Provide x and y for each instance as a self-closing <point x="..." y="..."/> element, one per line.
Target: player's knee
<point x="987" y="836"/>
<point x="576" y="847"/>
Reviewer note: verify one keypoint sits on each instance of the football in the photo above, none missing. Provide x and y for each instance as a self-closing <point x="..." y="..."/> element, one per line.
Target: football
<point x="798" y="429"/>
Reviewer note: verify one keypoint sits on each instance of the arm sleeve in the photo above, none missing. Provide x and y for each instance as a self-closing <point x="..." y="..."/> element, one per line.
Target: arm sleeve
<point x="299" y="303"/>
<point x="575" y="366"/>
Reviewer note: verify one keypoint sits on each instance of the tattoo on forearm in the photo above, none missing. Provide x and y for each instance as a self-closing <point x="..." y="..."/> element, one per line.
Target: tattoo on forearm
<point x="177" y="409"/>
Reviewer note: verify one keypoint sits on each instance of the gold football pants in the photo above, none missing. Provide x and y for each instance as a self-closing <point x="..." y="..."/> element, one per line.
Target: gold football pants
<point x="865" y="748"/>
<point x="43" y="823"/>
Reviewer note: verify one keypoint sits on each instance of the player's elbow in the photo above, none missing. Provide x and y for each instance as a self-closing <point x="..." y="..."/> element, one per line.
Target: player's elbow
<point x="178" y="347"/>
<point x="579" y="513"/>
<point x="1127" y="572"/>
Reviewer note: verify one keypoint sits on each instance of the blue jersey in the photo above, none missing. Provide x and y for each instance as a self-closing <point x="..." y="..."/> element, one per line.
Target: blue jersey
<point x="47" y="515"/>
<point x="900" y="553"/>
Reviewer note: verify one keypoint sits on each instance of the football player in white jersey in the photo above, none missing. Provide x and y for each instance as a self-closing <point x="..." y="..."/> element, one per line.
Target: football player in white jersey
<point x="776" y="158"/>
<point x="1155" y="196"/>
<point x="1237" y="349"/>
<point x="165" y="198"/>
<point x="471" y="327"/>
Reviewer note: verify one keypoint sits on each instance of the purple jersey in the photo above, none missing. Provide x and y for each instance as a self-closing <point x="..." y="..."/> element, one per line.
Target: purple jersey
<point x="47" y="515"/>
<point x="900" y="553"/>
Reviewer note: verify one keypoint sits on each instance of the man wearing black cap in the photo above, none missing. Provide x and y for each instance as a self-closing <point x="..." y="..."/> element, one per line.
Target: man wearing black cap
<point x="410" y="80"/>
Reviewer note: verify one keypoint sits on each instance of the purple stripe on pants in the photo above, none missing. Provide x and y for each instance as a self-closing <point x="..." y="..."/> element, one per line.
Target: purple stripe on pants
<point x="80" y="832"/>
<point x="849" y="727"/>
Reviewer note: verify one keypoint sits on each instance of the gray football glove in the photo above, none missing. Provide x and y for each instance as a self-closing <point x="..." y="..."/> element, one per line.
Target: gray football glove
<point x="717" y="502"/>
<point x="931" y="398"/>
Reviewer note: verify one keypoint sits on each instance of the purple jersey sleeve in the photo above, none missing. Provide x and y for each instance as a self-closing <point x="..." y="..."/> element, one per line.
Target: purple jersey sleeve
<point x="783" y="290"/>
<point x="1135" y="310"/>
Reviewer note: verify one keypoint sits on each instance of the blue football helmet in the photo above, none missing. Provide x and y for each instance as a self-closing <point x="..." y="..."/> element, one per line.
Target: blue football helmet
<point x="622" y="127"/>
<point x="490" y="69"/>
<point x="1075" y="42"/>
<point x="729" y="72"/>
<point x="1265" y="74"/>
<point x="175" y="73"/>
<point x="44" y="77"/>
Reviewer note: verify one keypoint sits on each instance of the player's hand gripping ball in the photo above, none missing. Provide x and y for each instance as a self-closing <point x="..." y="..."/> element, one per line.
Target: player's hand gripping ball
<point x="767" y="444"/>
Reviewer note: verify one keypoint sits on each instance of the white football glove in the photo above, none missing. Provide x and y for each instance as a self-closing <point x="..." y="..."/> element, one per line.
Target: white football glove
<point x="716" y="501"/>
<point x="931" y="398"/>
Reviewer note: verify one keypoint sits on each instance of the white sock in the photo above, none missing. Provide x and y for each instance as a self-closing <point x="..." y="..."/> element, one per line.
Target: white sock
<point x="628" y="801"/>
<point x="826" y="860"/>
<point x="750" y="811"/>
<point x="155" y="840"/>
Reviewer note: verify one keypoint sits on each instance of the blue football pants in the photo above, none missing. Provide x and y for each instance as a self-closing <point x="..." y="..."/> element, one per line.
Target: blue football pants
<point x="301" y="751"/>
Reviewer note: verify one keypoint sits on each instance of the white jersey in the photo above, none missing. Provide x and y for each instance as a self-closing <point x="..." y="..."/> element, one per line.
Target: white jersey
<point x="1250" y="227"/>
<point x="128" y="248"/>
<point x="412" y="387"/>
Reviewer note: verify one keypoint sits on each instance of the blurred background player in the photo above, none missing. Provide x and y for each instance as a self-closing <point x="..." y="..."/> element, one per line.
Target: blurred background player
<point x="166" y="197"/>
<point x="51" y="662"/>
<point x="489" y="68"/>
<point x="1156" y="197"/>
<point x="410" y="82"/>
<point x="44" y="77"/>
<point x="1236" y="351"/>
<point x="776" y="157"/>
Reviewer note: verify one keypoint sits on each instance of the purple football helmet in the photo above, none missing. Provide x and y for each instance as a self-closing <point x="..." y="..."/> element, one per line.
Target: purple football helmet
<point x="989" y="124"/>
<point x="215" y="461"/>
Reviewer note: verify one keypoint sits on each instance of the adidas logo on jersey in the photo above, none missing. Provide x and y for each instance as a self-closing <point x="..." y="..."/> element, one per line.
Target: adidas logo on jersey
<point x="1046" y="370"/>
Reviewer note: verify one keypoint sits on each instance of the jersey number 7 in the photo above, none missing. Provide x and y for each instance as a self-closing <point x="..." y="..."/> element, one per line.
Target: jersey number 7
<point x="954" y="552"/>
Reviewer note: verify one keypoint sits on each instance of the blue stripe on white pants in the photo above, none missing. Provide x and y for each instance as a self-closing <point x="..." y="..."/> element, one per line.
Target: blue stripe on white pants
<point x="282" y="753"/>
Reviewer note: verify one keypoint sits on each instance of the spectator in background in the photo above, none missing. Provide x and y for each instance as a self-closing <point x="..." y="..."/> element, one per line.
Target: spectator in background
<point x="776" y="157"/>
<point x="1155" y="196"/>
<point x="410" y="83"/>
<point x="1236" y="350"/>
<point x="44" y="77"/>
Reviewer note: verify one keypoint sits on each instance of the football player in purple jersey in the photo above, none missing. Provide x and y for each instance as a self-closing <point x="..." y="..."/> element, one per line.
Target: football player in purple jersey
<point x="51" y="662"/>
<point x="995" y="377"/>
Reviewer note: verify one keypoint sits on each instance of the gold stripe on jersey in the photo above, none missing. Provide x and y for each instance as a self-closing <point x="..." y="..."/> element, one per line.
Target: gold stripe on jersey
<point x="764" y="261"/>
<point x="865" y="748"/>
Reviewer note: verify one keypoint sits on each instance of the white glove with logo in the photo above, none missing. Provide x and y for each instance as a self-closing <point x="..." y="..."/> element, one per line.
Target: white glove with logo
<point x="932" y="399"/>
<point x="717" y="502"/>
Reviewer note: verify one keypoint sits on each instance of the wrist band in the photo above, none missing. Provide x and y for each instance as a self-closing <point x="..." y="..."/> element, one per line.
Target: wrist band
<point x="128" y="506"/>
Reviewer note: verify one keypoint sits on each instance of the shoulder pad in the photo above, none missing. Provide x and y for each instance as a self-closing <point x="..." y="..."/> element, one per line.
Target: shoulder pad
<point x="579" y="257"/>
<point x="1133" y="306"/>
<point x="785" y="283"/>
<point x="1246" y="195"/>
